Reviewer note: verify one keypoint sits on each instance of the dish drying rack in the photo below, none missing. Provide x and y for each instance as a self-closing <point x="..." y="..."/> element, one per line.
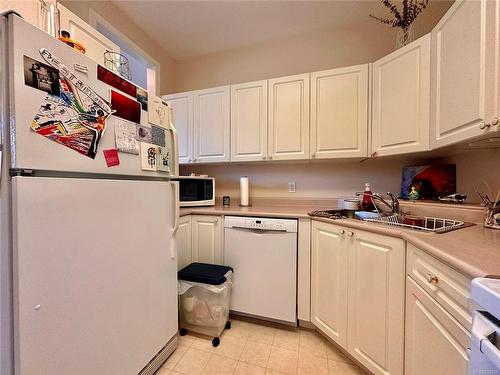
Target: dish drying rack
<point x="429" y="224"/>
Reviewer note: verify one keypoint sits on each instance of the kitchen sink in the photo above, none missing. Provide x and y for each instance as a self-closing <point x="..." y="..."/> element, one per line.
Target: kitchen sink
<point x="428" y="224"/>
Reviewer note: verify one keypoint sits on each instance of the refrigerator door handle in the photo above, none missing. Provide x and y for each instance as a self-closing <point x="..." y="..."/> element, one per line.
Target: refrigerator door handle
<point x="175" y="141"/>
<point x="173" y="247"/>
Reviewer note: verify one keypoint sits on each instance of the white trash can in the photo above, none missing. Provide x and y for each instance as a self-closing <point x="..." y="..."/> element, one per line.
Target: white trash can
<point x="204" y="298"/>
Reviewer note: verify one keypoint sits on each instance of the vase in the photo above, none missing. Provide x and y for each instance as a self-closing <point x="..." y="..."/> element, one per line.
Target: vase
<point x="404" y="36"/>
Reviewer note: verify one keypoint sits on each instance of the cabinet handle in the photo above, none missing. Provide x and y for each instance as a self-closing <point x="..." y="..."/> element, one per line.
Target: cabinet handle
<point x="350" y="234"/>
<point x="494" y="122"/>
<point x="264" y="158"/>
<point x="313" y="155"/>
<point x="270" y="157"/>
<point x="190" y="160"/>
<point x="341" y="231"/>
<point x="484" y="125"/>
<point x="432" y="279"/>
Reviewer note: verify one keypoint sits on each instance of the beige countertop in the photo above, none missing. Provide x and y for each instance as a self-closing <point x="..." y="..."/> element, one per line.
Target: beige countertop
<point x="473" y="251"/>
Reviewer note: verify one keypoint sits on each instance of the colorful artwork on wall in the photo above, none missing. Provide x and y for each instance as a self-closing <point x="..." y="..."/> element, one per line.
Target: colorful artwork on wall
<point x="429" y="181"/>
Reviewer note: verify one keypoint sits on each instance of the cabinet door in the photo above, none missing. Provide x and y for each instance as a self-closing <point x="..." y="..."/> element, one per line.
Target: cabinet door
<point x="289" y="117"/>
<point x="465" y="72"/>
<point x="183" y="240"/>
<point x="329" y="280"/>
<point x="249" y="121"/>
<point x="435" y="343"/>
<point x="94" y="42"/>
<point x="339" y="113"/>
<point x="207" y="239"/>
<point x="376" y="301"/>
<point x="211" y="125"/>
<point x="182" y="108"/>
<point x="400" y="106"/>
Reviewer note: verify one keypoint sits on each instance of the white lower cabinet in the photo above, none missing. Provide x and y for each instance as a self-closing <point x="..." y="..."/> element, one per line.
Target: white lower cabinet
<point x="183" y="239"/>
<point x="375" y="331"/>
<point x="358" y="289"/>
<point x="436" y="344"/>
<point x="207" y="238"/>
<point x="329" y="265"/>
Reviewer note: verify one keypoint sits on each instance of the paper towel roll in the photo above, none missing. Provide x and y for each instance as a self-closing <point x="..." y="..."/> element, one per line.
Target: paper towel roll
<point x="244" y="191"/>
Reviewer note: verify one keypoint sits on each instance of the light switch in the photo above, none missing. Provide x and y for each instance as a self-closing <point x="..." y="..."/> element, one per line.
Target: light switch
<point x="291" y="187"/>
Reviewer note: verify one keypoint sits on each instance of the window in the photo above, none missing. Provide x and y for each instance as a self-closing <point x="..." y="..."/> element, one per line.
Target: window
<point x="143" y="68"/>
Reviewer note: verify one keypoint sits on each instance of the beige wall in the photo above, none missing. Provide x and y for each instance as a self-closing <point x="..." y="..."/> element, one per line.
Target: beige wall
<point x="331" y="179"/>
<point x="349" y="45"/>
<point x="128" y="27"/>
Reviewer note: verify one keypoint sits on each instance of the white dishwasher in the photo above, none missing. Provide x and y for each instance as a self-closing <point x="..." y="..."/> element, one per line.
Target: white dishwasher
<point x="263" y="254"/>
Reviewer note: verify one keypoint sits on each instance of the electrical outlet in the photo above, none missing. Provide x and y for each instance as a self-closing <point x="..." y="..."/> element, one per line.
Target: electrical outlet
<point x="291" y="187"/>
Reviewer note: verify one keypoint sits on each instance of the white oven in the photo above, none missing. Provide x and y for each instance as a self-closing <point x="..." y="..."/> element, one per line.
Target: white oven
<point x="485" y="345"/>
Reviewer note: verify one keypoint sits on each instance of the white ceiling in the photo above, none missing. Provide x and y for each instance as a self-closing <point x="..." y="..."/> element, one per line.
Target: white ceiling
<point x="194" y="28"/>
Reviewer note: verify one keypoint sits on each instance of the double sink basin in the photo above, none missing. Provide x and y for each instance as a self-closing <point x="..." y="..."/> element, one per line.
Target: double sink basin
<point x="424" y="224"/>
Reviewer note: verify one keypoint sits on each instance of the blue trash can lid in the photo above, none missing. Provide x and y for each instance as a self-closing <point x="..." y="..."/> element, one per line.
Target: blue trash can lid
<point x="212" y="274"/>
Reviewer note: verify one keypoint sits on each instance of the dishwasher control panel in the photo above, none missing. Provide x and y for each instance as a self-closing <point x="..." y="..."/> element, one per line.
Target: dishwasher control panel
<point x="261" y="223"/>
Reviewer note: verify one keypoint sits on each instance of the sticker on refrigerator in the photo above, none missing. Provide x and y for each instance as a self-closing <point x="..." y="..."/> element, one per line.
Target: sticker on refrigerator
<point x="162" y="159"/>
<point x="114" y="80"/>
<point x="125" y="107"/>
<point x="143" y="133"/>
<point x="41" y="76"/>
<point x="157" y="136"/>
<point x="158" y="111"/>
<point x="111" y="157"/>
<point x="125" y="137"/>
<point x="76" y="118"/>
<point x="142" y="97"/>
<point x="148" y="156"/>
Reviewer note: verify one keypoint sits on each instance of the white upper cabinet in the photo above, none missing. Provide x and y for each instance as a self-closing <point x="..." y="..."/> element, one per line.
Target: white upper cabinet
<point x="289" y="117"/>
<point x="376" y="301"/>
<point x="182" y="108"/>
<point x="249" y="121"/>
<point x="211" y="125"/>
<point x="94" y="42"/>
<point x="400" y="105"/>
<point x="339" y="112"/>
<point x="465" y="46"/>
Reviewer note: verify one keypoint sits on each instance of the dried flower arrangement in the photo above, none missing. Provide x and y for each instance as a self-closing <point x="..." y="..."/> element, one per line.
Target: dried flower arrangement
<point x="403" y="19"/>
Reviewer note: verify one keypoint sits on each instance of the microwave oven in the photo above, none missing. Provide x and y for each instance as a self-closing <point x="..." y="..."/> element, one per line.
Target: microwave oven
<point x="196" y="191"/>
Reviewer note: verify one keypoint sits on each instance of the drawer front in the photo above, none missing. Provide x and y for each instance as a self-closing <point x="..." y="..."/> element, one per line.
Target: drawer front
<point x="435" y="342"/>
<point x="447" y="286"/>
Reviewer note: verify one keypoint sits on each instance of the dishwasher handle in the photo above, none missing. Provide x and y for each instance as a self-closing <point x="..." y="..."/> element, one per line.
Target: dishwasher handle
<point x="257" y="230"/>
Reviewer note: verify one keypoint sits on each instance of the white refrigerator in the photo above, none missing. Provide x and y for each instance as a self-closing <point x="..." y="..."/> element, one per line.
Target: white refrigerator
<point x="88" y="261"/>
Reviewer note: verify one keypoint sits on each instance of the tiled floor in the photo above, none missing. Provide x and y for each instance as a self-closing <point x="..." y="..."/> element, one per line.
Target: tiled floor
<point x="249" y="348"/>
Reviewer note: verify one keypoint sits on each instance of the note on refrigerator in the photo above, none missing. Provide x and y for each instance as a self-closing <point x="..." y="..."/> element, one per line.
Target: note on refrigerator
<point x="157" y="111"/>
<point x="125" y="136"/>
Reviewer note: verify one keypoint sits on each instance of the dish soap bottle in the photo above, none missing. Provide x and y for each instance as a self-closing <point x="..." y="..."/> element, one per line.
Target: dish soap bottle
<point x="367" y="202"/>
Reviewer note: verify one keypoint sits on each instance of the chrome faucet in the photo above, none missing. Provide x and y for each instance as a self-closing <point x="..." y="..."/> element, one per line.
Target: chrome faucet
<point x="393" y="206"/>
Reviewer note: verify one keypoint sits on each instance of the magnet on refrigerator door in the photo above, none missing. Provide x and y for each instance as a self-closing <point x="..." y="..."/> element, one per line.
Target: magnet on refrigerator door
<point x="143" y="133"/>
<point x="163" y="159"/>
<point x="158" y="136"/>
<point x="125" y="136"/>
<point x="148" y="156"/>
<point x="158" y="111"/>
